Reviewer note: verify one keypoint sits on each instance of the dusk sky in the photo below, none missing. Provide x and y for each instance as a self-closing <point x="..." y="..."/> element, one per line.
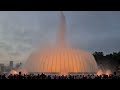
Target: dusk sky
<point x="22" y="31"/>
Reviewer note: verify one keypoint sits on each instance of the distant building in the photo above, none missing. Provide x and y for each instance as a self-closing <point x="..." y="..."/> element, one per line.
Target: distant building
<point x="7" y="69"/>
<point x="11" y="65"/>
<point x="18" y="65"/>
<point x="2" y="68"/>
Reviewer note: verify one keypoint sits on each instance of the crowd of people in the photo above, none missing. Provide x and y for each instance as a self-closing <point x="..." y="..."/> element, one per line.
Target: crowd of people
<point x="43" y="76"/>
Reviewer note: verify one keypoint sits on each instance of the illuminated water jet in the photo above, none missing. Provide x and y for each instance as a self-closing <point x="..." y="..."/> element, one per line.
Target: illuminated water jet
<point x="23" y="71"/>
<point x="13" y="72"/>
<point x="100" y="72"/>
<point x="108" y="72"/>
<point x="61" y="58"/>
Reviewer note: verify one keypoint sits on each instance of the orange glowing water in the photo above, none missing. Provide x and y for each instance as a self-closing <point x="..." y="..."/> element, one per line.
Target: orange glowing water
<point x="13" y="72"/>
<point x="108" y="72"/>
<point x="100" y="72"/>
<point x="23" y="71"/>
<point x="61" y="58"/>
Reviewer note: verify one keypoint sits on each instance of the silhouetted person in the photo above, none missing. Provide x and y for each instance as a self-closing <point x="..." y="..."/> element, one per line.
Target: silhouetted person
<point x="19" y="73"/>
<point x="43" y="76"/>
<point x="4" y="77"/>
<point x="114" y="73"/>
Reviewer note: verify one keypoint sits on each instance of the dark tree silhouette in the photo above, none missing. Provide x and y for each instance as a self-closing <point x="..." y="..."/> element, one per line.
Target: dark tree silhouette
<point x="109" y="61"/>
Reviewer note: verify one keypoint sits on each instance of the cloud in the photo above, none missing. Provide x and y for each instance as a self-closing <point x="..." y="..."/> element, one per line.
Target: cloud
<point x="21" y="32"/>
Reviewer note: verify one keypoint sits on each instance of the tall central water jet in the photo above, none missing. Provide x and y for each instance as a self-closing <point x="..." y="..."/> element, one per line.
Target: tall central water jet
<point x="60" y="59"/>
<point x="62" y="31"/>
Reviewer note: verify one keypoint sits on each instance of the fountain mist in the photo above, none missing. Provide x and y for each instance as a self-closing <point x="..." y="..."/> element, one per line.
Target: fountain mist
<point x="61" y="58"/>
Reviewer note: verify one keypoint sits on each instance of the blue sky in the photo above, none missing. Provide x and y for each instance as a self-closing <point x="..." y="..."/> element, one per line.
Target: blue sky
<point x="22" y="31"/>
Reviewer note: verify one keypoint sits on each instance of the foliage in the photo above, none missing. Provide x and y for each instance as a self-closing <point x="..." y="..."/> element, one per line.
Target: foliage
<point x="109" y="61"/>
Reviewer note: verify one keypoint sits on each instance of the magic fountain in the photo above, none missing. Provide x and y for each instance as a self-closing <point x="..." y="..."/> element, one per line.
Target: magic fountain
<point x="61" y="58"/>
